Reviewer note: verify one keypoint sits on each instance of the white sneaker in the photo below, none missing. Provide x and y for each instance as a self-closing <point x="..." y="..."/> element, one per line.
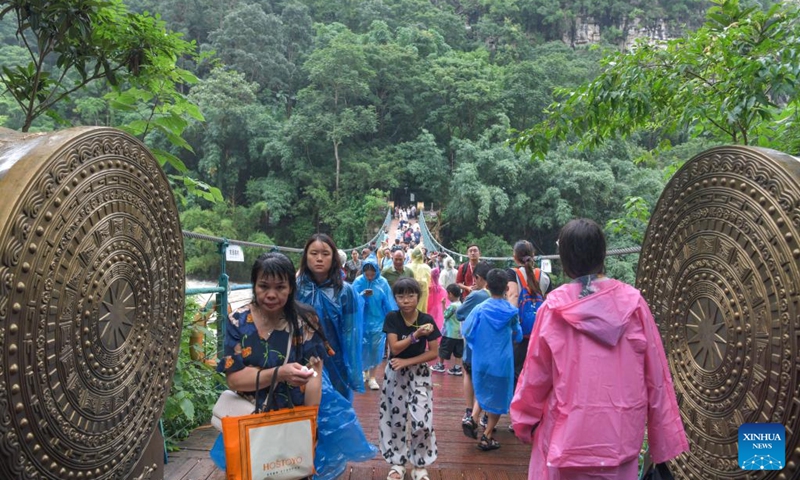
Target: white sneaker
<point x="373" y="384"/>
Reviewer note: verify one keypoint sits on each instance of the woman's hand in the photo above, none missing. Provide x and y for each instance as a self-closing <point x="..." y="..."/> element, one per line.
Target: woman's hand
<point x="295" y="374"/>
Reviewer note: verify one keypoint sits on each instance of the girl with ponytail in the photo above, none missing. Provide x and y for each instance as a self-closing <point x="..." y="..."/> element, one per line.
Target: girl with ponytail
<point x="526" y="290"/>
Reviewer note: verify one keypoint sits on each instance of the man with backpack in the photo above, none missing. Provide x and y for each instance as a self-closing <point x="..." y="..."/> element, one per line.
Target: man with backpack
<point x="465" y="277"/>
<point x="527" y="288"/>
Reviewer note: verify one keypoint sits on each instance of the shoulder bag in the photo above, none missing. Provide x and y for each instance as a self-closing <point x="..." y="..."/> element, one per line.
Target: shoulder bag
<point x="234" y="404"/>
<point x="278" y="444"/>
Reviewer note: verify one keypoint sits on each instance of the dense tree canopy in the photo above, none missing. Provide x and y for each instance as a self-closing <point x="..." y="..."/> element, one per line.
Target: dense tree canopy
<point x="315" y="113"/>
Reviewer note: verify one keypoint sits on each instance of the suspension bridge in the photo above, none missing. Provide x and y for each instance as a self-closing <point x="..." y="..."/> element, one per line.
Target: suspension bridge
<point x="458" y="456"/>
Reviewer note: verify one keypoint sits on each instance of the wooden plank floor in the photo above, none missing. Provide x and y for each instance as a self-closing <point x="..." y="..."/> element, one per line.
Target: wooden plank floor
<point x="458" y="456"/>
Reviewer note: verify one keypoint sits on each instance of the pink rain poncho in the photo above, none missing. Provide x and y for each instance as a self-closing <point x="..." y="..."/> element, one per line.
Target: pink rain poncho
<point x="435" y="296"/>
<point x="594" y="375"/>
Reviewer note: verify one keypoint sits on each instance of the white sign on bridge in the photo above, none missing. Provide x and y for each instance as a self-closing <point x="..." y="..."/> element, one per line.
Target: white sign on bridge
<point x="234" y="253"/>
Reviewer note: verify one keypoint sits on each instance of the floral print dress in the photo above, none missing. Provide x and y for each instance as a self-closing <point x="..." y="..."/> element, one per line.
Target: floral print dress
<point x="243" y="347"/>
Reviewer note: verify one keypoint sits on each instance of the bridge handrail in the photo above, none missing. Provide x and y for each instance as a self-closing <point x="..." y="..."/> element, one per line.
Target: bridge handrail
<point x="427" y="235"/>
<point x="202" y="236"/>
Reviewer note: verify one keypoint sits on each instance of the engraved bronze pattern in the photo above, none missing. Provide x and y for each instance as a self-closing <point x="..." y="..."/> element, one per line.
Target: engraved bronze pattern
<point x="720" y="270"/>
<point x="91" y="303"/>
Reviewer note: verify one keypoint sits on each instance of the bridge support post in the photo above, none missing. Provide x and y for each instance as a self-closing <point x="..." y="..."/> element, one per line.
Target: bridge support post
<point x="222" y="298"/>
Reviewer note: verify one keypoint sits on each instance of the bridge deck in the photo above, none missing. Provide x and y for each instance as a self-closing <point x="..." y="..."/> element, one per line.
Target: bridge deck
<point x="458" y="456"/>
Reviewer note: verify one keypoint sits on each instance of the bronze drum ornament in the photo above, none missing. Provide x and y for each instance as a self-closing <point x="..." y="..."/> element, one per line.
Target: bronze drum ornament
<point x="720" y="269"/>
<point x="91" y="303"/>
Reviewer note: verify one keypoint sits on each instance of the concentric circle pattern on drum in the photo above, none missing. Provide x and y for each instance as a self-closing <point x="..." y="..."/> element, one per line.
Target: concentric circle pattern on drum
<point x="91" y="302"/>
<point x="719" y="269"/>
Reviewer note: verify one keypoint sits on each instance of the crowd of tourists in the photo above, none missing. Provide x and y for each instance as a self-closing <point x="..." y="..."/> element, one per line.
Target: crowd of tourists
<point x="581" y="369"/>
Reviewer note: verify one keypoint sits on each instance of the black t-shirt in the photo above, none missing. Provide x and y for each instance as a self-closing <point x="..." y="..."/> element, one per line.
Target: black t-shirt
<point x="394" y="323"/>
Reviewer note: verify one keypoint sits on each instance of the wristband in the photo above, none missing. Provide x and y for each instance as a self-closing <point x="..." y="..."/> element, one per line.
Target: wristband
<point x="413" y="339"/>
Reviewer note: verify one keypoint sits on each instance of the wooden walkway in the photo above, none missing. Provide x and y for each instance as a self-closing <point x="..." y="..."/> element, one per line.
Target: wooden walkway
<point x="458" y="456"/>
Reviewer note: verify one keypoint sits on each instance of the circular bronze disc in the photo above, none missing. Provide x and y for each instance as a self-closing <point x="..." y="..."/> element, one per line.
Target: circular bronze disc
<point x="719" y="269"/>
<point x="91" y="302"/>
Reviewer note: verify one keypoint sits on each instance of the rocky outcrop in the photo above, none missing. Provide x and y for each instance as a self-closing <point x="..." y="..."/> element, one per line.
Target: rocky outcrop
<point x="586" y="31"/>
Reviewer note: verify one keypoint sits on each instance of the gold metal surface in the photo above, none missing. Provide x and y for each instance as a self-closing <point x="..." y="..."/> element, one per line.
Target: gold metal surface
<point x="720" y="270"/>
<point x="91" y="302"/>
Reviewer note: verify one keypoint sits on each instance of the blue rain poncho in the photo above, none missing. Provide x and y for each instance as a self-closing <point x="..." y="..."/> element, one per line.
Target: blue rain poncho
<point x="340" y="314"/>
<point x="376" y="307"/>
<point x="489" y="331"/>
<point x="340" y="438"/>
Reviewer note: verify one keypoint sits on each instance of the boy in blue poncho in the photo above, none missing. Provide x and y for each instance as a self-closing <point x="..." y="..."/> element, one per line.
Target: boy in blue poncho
<point x="378" y="301"/>
<point x="489" y="330"/>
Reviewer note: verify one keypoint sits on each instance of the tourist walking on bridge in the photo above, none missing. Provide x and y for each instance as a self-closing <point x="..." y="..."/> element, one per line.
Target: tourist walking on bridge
<point x="465" y="278"/>
<point x="257" y="338"/>
<point x="406" y="407"/>
<point x="595" y="375"/>
<point x="437" y="299"/>
<point x="340" y="437"/>
<point x="353" y="266"/>
<point x="448" y="274"/>
<point x="339" y="308"/>
<point x="490" y="331"/>
<point x="378" y="301"/>
<point x="422" y="274"/>
<point x="479" y="295"/>
<point x="526" y="291"/>
<point x="397" y="269"/>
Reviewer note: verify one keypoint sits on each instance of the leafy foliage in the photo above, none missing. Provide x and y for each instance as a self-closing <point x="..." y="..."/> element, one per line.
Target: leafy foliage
<point x="733" y="80"/>
<point x="72" y="45"/>
<point x="195" y="385"/>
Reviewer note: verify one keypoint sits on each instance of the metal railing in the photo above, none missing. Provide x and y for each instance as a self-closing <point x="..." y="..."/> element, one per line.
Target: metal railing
<point x="431" y="243"/>
<point x="223" y="287"/>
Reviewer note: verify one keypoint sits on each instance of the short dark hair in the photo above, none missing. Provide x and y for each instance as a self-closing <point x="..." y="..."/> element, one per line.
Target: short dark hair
<point x="454" y="290"/>
<point x="582" y="248"/>
<point x="405" y="285"/>
<point x="481" y="270"/>
<point x="473" y="245"/>
<point x="497" y="281"/>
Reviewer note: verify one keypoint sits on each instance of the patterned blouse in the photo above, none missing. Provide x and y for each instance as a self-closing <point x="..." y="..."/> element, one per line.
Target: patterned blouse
<point x="241" y="331"/>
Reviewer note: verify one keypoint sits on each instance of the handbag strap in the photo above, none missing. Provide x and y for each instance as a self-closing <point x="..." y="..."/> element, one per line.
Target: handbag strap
<point x="265" y="405"/>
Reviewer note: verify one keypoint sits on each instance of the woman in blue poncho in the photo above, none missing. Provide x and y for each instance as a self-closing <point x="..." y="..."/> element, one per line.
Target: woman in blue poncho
<point x="340" y="310"/>
<point x="378" y="301"/>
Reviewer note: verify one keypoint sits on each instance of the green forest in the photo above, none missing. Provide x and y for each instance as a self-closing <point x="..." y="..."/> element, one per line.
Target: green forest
<point x="279" y="118"/>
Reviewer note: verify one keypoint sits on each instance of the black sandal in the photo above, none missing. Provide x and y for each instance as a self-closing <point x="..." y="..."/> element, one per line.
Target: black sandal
<point x="469" y="427"/>
<point x="487" y="444"/>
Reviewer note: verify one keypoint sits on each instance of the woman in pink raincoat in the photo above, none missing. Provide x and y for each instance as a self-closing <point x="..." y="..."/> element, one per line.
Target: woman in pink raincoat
<point x="595" y="374"/>
<point x="437" y="299"/>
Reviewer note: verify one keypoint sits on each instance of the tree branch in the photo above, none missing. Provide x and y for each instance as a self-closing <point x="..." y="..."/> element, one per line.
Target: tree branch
<point x="46" y="106"/>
